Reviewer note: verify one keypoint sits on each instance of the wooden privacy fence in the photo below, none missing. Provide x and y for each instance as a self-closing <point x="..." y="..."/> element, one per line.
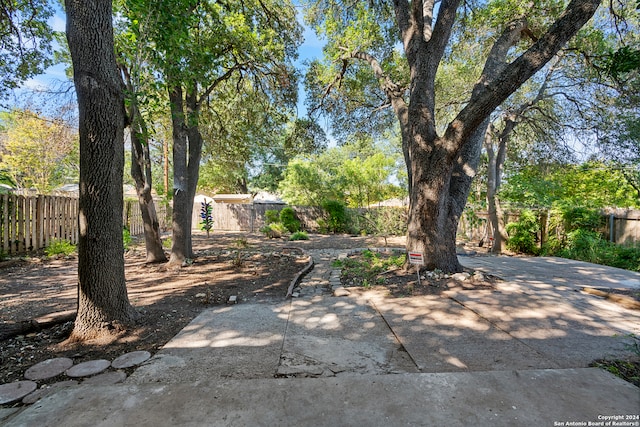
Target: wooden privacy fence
<point x="620" y="226"/>
<point x="250" y="216"/>
<point x="29" y="223"/>
<point x="132" y="217"/>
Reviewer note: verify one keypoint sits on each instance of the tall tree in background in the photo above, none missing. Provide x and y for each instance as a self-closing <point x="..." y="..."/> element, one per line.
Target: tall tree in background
<point x="618" y="127"/>
<point x="103" y="303"/>
<point x="199" y="45"/>
<point x="35" y="151"/>
<point x="142" y="100"/>
<point x="441" y="161"/>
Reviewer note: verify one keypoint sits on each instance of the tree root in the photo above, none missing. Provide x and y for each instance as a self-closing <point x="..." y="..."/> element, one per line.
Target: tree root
<point x="10" y="330"/>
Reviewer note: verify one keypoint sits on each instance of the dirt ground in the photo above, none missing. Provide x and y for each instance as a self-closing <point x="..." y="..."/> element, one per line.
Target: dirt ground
<point x="249" y="266"/>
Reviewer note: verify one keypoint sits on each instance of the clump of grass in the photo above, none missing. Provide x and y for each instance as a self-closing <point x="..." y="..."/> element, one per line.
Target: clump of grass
<point x="60" y="247"/>
<point x="366" y="269"/>
<point x="299" y="235"/>
<point x="628" y="370"/>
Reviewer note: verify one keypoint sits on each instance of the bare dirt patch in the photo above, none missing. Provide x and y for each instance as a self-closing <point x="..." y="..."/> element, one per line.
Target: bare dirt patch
<point x="382" y="270"/>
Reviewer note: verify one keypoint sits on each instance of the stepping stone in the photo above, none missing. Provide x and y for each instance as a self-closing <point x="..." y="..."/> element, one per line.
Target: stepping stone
<point x="340" y="291"/>
<point x="128" y="360"/>
<point x="86" y="369"/>
<point x="46" y="391"/>
<point x="12" y="392"/>
<point x="106" y="378"/>
<point x="48" y="368"/>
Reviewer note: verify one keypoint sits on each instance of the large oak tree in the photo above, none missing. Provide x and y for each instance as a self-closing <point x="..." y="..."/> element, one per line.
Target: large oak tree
<point x="441" y="161"/>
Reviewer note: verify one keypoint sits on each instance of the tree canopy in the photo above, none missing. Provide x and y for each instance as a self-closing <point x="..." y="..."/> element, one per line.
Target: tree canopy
<point x="25" y="41"/>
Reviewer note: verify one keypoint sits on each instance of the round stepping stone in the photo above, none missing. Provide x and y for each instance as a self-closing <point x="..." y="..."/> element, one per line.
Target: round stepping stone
<point x="86" y="369"/>
<point x="106" y="378"/>
<point x="131" y="359"/>
<point x="46" y="391"/>
<point x="48" y="368"/>
<point x="12" y="392"/>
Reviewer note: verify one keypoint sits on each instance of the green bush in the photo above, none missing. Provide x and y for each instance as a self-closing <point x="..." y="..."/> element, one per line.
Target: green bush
<point x="589" y="246"/>
<point x="126" y="238"/>
<point x="274" y="231"/>
<point x="582" y="245"/>
<point x="60" y="247"/>
<point x="337" y="218"/>
<point x="271" y="216"/>
<point x="289" y="220"/>
<point x="522" y="234"/>
<point x="575" y="218"/>
<point x="299" y="235"/>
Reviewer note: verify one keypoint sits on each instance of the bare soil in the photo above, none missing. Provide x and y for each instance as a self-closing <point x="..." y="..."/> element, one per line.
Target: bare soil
<point x="39" y="291"/>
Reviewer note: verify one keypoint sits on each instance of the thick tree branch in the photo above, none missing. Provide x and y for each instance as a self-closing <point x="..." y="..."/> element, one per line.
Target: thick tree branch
<point x="485" y="100"/>
<point x="386" y="84"/>
<point x="442" y="31"/>
<point x="427" y="20"/>
<point x="403" y="20"/>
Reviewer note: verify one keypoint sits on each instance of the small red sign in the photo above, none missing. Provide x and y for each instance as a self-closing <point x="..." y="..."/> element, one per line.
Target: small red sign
<point x="416" y="258"/>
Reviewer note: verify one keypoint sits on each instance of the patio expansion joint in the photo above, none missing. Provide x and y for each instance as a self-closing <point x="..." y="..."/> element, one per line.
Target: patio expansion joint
<point x="495" y="325"/>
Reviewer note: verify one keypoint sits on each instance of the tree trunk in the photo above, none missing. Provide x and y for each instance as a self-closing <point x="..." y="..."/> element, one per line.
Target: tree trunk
<point x="494" y="175"/>
<point x="103" y="303"/>
<point x="141" y="174"/>
<point x="441" y="168"/>
<point x="180" y="249"/>
<point x="187" y="151"/>
<point x="431" y="227"/>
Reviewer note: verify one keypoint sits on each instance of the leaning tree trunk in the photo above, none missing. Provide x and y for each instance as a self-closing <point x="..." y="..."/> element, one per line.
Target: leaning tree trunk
<point x="103" y="303"/>
<point x="141" y="174"/>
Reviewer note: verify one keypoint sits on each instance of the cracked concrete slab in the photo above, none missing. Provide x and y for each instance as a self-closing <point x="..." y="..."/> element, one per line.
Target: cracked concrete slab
<point x="239" y="341"/>
<point x="344" y="336"/>
<point x="498" y="398"/>
<point x="443" y="336"/>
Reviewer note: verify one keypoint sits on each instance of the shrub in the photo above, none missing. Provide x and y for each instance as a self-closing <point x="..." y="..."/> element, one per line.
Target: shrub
<point x="589" y="246"/>
<point x="273" y="231"/>
<point x="575" y="218"/>
<point x="337" y="216"/>
<point x="271" y="216"/>
<point x="522" y="234"/>
<point x="60" y="247"/>
<point x="299" y="235"/>
<point x="582" y="245"/>
<point x="289" y="220"/>
<point x="126" y="238"/>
